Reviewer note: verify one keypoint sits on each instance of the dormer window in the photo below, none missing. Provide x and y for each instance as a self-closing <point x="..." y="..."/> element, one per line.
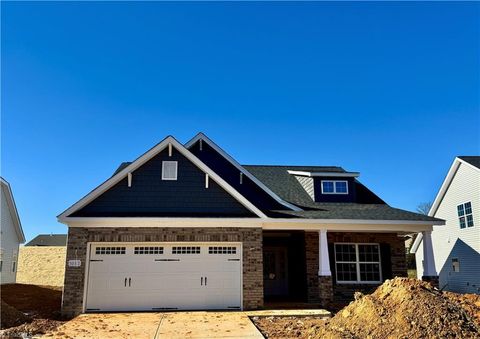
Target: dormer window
<point x="169" y="170"/>
<point x="334" y="187"/>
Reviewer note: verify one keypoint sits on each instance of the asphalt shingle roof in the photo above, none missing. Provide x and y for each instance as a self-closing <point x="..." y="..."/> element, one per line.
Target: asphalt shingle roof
<point x="48" y="240"/>
<point x="370" y="206"/>
<point x="472" y="160"/>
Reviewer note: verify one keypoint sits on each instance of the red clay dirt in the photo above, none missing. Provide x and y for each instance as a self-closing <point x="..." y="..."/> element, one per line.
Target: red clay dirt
<point x="400" y="308"/>
<point x="29" y="309"/>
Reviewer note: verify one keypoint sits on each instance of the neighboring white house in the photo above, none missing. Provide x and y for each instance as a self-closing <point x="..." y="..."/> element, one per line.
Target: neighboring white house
<point x="456" y="245"/>
<point x="11" y="235"/>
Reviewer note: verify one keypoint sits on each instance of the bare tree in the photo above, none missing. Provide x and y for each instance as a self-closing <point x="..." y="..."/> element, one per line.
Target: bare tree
<point x="424" y="207"/>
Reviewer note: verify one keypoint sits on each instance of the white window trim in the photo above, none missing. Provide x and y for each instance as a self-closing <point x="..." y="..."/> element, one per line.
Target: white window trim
<point x="163" y="170"/>
<point x="465" y="215"/>
<point x="357" y="263"/>
<point x="334" y="186"/>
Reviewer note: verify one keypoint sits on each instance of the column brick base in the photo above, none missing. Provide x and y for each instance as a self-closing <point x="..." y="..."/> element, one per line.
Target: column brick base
<point x="433" y="280"/>
<point x="325" y="290"/>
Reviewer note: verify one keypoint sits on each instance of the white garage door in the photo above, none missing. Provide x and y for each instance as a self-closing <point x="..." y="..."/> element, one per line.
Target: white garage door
<point x="164" y="276"/>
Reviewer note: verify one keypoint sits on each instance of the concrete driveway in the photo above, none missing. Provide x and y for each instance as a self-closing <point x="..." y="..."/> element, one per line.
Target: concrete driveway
<point x="159" y="325"/>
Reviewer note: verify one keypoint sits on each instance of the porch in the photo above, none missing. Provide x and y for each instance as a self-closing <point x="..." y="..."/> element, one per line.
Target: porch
<point x="319" y="268"/>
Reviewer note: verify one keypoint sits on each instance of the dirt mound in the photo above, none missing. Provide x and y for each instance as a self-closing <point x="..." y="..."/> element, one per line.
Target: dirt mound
<point x="29" y="310"/>
<point x="10" y="316"/>
<point x="37" y="301"/>
<point x="404" y="308"/>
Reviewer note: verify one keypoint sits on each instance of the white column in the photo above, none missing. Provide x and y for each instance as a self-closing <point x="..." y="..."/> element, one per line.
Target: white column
<point x="428" y="258"/>
<point x="324" y="260"/>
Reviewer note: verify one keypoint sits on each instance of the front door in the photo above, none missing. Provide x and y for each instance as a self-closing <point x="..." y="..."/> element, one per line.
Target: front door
<point x="275" y="271"/>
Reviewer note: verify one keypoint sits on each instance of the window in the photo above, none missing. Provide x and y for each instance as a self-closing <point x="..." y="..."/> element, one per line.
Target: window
<point x="357" y="263"/>
<point x="148" y="250"/>
<point x="334" y="187"/>
<point x="465" y="215"/>
<point x="14" y="266"/>
<point x="169" y="170"/>
<point x="222" y="250"/>
<point x="455" y="265"/>
<point x="110" y="250"/>
<point x="186" y="250"/>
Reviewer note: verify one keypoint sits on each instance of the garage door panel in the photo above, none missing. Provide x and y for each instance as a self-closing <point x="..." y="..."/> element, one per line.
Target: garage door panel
<point x="170" y="278"/>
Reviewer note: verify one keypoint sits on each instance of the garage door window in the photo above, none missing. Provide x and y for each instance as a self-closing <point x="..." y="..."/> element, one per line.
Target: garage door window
<point x="110" y="250"/>
<point x="222" y="250"/>
<point x="148" y="250"/>
<point x="186" y="250"/>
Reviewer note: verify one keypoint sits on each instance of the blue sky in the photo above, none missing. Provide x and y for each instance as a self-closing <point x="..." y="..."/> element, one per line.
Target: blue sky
<point x="387" y="89"/>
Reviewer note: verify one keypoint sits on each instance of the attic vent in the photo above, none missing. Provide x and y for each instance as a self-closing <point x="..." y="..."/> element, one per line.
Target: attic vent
<point x="169" y="170"/>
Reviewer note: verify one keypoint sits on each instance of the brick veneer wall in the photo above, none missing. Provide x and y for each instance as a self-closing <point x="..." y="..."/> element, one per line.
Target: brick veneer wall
<point x="316" y="286"/>
<point x="251" y="238"/>
<point x="311" y="256"/>
<point x="397" y="258"/>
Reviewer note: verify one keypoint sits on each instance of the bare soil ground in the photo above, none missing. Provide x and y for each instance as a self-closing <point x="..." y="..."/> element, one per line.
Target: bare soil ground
<point x="29" y="309"/>
<point x="400" y="308"/>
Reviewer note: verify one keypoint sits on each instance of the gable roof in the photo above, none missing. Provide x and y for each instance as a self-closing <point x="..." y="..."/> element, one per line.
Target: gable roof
<point x="204" y="138"/>
<point x="48" y="240"/>
<point x="471" y="161"/>
<point x="122" y="173"/>
<point x="13" y="210"/>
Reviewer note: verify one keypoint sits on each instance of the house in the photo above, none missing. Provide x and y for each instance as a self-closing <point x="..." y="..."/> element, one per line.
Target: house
<point x="11" y="235"/>
<point x="48" y="240"/>
<point x="187" y="227"/>
<point x="457" y="244"/>
<point x="42" y="260"/>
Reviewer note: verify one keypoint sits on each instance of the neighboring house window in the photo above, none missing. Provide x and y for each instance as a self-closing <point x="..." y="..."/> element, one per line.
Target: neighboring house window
<point x="357" y="263"/>
<point x="455" y="265"/>
<point x="334" y="187"/>
<point x="169" y="170"/>
<point x="465" y="215"/>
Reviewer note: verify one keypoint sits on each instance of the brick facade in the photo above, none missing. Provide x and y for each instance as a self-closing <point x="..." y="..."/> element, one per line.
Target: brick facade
<point x="397" y="263"/>
<point x="251" y="238"/>
<point x="311" y="257"/>
<point x="319" y="288"/>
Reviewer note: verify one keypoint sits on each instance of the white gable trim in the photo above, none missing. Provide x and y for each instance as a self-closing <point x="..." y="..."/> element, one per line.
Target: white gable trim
<point x="143" y="159"/>
<point x="325" y="174"/>
<point x="13" y="210"/>
<point x="446" y="184"/>
<point x="201" y="136"/>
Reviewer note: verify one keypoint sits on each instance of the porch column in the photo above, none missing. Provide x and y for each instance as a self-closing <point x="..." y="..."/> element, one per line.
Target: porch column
<point x="325" y="284"/>
<point x="429" y="270"/>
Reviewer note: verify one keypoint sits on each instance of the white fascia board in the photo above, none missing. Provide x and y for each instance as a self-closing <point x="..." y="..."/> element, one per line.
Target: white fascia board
<point x="325" y="174"/>
<point x="13" y="210"/>
<point x="445" y="185"/>
<point x="404" y="226"/>
<point x="416" y="243"/>
<point x="161" y="222"/>
<point x="201" y="136"/>
<point x="109" y="183"/>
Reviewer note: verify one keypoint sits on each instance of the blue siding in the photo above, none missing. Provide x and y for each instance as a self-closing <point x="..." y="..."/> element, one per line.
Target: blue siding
<point x="319" y="197"/>
<point x="467" y="280"/>
<point x="231" y="174"/>
<point x="152" y="196"/>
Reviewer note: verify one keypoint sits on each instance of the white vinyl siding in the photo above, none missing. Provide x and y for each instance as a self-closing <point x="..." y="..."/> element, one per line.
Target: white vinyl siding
<point x="307" y="184"/>
<point x="451" y="241"/>
<point x="8" y="243"/>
